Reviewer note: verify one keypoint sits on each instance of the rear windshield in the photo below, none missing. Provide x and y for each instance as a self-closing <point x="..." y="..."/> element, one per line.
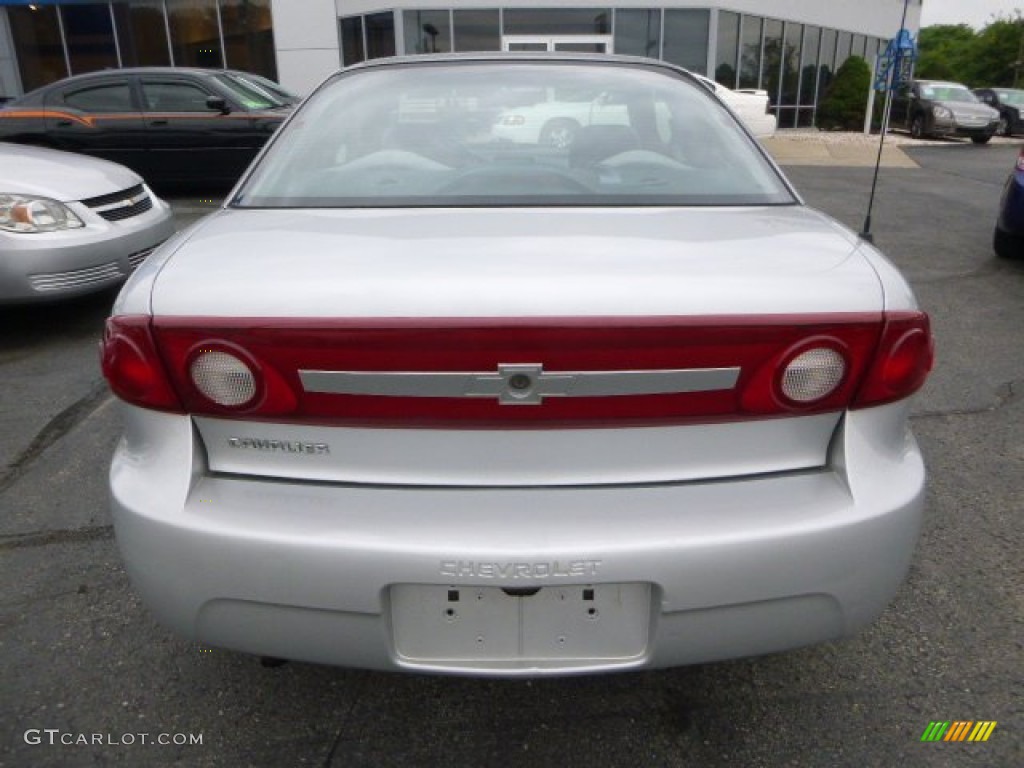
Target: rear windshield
<point x="512" y="133"/>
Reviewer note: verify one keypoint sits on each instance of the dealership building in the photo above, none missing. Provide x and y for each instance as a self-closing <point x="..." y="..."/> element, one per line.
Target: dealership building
<point x="790" y="48"/>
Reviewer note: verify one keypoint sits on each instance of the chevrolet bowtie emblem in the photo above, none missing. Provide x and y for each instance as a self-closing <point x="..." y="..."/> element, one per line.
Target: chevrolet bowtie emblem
<point x="519" y="383"/>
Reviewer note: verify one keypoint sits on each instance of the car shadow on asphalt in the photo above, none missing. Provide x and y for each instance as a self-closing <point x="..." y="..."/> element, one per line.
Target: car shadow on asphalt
<point x="23" y="326"/>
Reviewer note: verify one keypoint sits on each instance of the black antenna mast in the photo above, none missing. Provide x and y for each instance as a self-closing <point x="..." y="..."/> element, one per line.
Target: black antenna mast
<point x="865" y="233"/>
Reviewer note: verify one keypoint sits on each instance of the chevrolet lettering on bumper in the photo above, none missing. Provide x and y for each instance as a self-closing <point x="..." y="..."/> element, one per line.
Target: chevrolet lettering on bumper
<point x="543" y="570"/>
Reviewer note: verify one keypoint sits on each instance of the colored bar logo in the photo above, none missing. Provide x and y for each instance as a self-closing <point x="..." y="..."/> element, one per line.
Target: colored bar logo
<point x="959" y="730"/>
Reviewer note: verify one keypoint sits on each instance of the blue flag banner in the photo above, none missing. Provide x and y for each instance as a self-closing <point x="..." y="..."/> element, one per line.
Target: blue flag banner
<point x="898" y="59"/>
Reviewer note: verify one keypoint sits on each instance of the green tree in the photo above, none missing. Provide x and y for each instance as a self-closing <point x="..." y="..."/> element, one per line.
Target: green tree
<point x="846" y="99"/>
<point x="991" y="57"/>
<point x="994" y="54"/>
<point x="943" y="51"/>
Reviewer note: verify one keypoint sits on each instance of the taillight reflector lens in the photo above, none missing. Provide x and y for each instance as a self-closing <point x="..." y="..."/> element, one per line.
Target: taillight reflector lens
<point x="812" y="375"/>
<point x="223" y="378"/>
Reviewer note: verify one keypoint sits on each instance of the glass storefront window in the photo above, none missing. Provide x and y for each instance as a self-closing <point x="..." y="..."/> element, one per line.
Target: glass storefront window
<point x="36" y="34"/>
<point x="794" y="63"/>
<point x="352" y="40"/>
<point x="477" y="30"/>
<point x="728" y="48"/>
<point x="558" y="21"/>
<point x="638" y="32"/>
<point x="857" y="47"/>
<point x="750" y="52"/>
<point x="771" y="62"/>
<point x="141" y="33"/>
<point x="249" y="36"/>
<point x="89" y="34"/>
<point x="843" y="48"/>
<point x="380" y="34"/>
<point x="195" y="33"/>
<point x="805" y="117"/>
<point x="686" y="39"/>
<point x="809" y="65"/>
<point x="427" y="31"/>
<point x="791" y="64"/>
<point x="826" y="61"/>
<point x="875" y="47"/>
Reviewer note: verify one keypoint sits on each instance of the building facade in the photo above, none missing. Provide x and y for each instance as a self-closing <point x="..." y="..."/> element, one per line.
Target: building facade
<point x="790" y="48"/>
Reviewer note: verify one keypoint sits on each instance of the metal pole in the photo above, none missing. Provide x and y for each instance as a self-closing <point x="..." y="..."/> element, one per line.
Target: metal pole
<point x="865" y="234"/>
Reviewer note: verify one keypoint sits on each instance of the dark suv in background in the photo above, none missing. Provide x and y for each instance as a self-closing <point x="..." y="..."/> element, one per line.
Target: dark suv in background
<point x="935" y="108"/>
<point x="1009" y="102"/>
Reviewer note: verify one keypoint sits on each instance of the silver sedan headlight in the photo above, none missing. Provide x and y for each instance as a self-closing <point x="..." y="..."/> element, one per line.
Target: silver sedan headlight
<point x="942" y="112"/>
<point x="29" y="214"/>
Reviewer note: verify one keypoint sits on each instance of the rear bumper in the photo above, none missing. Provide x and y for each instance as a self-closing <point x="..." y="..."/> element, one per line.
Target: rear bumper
<point x="305" y="570"/>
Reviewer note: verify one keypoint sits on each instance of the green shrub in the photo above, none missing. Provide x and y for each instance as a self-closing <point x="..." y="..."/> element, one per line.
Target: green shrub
<point x="847" y="97"/>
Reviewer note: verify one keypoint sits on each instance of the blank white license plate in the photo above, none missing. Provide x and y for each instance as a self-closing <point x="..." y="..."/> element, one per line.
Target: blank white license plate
<point x="602" y="622"/>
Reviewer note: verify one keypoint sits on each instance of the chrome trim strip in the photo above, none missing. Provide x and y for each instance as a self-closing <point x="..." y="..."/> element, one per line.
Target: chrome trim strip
<point x="519" y="384"/>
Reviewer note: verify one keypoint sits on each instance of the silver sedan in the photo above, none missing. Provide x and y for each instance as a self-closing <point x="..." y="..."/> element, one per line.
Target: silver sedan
<point x="416" y="398"/>
<point x="71" y="224"/>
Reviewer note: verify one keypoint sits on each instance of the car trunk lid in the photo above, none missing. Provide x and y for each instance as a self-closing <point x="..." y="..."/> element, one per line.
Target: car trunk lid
<point x="396" y="339"/>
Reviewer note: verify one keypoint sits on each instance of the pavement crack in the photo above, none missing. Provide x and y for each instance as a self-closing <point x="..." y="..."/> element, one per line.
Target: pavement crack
<point x="46" y="538"/>
<point x="55" y="429"/>
<point x="1006" y="393"/>
<point x="343" y="730"/>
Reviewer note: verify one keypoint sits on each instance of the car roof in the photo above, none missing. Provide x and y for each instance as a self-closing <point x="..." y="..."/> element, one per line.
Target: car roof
<point x="121" y="71"/>
<point x="494" y="57"/>
<point x="600" y="59"/>
<point x="940" y="82"/>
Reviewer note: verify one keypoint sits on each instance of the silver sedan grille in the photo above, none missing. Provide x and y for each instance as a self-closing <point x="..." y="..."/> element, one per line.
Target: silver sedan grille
<point x="59" y="281"/>
<point x="121" y="205"/>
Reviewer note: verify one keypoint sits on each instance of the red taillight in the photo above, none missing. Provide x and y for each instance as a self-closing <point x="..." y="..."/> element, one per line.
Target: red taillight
<point x="1020" y="160"/>
<point x="132" y="366"/>
<point x="250" y="367"/>
<point x="902" y="362"/>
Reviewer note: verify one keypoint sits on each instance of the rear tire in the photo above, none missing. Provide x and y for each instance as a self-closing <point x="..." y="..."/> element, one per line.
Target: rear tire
<point x="1007" y="246"/>
<point x="1003" y="129"/>
<point x="981" y="139"/>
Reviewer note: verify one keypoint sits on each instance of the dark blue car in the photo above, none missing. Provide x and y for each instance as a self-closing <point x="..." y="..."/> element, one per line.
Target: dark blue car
<point x="1009" y="235"/>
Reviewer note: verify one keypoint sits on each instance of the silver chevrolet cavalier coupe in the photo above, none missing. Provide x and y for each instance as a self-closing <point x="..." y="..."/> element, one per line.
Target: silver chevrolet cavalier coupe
<point x="418" y="398"/>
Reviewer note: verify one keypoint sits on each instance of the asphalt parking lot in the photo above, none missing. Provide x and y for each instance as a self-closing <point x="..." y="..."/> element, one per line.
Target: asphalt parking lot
<point x="82" y="656"/>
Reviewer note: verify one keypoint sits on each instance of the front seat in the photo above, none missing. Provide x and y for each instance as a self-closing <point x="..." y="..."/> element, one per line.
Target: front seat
<point x="595" y="143"/>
